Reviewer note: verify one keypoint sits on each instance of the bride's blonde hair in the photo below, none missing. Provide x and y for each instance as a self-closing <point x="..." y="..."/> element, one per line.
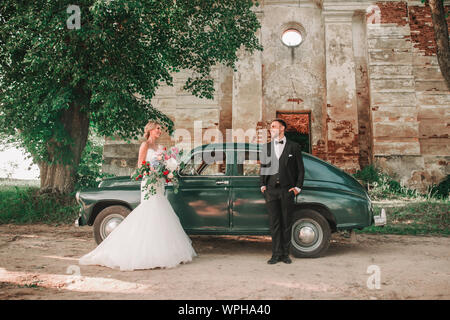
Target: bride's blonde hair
<point x="149" y="127"/>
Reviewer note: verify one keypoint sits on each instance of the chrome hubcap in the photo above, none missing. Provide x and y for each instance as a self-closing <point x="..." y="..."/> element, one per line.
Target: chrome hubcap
<point x="307" y="235"/>
<point x="109" y="224"/>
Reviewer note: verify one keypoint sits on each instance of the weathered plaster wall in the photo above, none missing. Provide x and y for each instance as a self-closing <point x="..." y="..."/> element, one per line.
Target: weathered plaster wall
<point x="294" y="79"/>
<point x="370" y="81"/>
<point x="410" y="101"/>
<point x="120" y="157"/>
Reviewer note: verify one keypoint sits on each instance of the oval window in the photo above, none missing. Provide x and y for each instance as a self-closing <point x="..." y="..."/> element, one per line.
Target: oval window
<point x="291" y="38"/>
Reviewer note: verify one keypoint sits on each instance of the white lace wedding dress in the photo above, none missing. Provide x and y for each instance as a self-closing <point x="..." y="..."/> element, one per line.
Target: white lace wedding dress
<point x="151" y="236"/>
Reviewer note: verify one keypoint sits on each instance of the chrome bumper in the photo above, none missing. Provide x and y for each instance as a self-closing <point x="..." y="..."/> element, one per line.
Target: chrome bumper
<point x="380" y="220"/>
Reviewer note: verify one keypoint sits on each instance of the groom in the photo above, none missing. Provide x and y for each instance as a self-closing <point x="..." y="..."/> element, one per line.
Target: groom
<point x="281" y="179"/>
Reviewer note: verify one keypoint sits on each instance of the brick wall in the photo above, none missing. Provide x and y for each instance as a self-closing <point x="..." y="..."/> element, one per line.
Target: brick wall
<point x="409" y="98"/>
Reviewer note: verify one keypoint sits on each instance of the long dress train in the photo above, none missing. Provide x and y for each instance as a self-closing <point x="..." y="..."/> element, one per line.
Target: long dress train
<point x="151" y="236"/>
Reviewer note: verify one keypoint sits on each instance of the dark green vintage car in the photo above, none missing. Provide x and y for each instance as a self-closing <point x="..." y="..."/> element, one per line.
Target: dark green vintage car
<point x="219" y="194"/>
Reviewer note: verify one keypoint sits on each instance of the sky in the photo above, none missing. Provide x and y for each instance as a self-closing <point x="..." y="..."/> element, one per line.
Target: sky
<point x="14" y="164"/>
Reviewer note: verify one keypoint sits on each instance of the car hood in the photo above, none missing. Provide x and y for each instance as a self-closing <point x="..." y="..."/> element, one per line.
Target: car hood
<point x="119" y="181"/>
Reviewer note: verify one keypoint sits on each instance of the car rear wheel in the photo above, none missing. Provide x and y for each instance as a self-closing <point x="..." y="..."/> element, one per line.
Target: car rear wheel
<point x="107" y="220"/>
<point x="310" y="234"/>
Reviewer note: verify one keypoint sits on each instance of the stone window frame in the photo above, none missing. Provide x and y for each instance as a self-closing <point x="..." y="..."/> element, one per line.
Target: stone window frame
<point x="295" y="26"/>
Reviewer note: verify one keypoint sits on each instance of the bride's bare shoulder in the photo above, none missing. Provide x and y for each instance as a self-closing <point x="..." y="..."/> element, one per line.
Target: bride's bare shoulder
<point x="144" y="145"/>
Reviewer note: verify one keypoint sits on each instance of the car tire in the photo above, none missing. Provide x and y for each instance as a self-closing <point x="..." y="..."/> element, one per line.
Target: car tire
<point x="107" y="220"/>
<point x="310" y="234"/>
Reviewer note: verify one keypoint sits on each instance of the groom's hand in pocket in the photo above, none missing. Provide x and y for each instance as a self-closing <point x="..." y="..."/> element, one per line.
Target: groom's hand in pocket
<point x="263" y="189"/>
<point x="296" y="192"/>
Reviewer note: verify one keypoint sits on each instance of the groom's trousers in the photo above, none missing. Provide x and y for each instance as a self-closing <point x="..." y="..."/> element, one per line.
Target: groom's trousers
<point x="280" y="204"/>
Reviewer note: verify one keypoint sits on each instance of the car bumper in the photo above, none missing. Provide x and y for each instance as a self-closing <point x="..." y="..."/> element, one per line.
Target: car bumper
<point x="380" y="220"/>
<point x="81" y="220"/>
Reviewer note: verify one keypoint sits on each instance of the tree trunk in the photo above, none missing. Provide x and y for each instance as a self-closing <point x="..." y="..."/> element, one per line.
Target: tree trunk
<point x="58" y="177"/>
<point x="441" y="36"/>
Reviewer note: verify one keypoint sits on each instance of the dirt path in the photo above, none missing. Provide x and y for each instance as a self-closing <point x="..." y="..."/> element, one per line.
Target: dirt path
<point x="41" y="262"/>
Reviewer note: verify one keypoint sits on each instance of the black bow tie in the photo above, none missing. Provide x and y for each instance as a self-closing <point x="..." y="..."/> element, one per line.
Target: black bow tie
<point x="281" y="141"/>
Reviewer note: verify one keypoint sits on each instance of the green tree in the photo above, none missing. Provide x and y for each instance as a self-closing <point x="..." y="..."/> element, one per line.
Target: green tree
<point x="58" y="80"/>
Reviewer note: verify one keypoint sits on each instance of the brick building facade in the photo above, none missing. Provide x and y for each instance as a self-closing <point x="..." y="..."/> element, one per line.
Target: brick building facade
<point x="363" y="87"/>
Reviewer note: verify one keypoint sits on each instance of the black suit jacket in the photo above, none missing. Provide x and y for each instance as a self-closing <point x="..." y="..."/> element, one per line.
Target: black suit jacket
<point x="291" y="169"/>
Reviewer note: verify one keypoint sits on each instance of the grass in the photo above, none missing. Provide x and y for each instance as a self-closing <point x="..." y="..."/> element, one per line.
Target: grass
<point x="383" y="186"/>
<point x="417" y="217"/>
<point x="408" y="211"/>
<point x="22" y="204"/>
<point x="33" y="285"/>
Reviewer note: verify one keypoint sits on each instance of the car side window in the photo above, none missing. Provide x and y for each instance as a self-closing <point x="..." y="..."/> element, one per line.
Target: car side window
<point x="248" y="163"/>
<point x="213" y="164"/>
<point x="190" y="169"/>
<point x="208" y="163"/>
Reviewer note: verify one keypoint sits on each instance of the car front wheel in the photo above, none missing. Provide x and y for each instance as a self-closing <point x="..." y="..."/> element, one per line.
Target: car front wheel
<point x="310" y="234"/>
<point x="107" y="220"/>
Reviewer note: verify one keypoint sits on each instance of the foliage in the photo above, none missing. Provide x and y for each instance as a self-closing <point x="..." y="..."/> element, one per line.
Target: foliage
<point x="108" y="70"/>
<point x="23" y="205"/>
<point x="383" y="186"/>
<point x="368" y="174"/>
<point x="423" y="217"/>
<point x="89" y="170"/>
<point x="441" y="190"/>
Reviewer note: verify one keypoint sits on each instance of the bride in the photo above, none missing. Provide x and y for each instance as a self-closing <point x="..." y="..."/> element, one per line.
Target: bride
<point x="151" y="236"/>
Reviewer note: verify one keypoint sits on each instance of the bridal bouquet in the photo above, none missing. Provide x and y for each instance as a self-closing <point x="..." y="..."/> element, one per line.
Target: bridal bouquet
<point x="163" y="167"/>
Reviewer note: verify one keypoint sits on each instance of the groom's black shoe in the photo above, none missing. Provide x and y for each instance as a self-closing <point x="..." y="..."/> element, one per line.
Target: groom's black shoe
<point x="286" y="259"/>
<point x="274" y="260"/>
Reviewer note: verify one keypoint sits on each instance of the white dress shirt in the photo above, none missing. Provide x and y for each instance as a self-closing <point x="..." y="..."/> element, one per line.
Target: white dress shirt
<point x="279" y="147"/>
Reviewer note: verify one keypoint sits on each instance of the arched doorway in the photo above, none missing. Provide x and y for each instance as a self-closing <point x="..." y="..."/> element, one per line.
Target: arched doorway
<point x="298" y="128"/>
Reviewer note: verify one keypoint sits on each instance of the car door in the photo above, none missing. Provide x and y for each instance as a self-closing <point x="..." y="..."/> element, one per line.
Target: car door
<point x="249" y="211"/>
<point x="203" y="198"/>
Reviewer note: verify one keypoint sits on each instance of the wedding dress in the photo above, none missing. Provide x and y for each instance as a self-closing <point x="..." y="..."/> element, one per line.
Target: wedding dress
<point x="151" y="236"/>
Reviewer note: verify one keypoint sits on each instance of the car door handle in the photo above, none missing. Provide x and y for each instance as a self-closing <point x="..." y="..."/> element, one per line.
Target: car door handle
<point x="223" y="182"/>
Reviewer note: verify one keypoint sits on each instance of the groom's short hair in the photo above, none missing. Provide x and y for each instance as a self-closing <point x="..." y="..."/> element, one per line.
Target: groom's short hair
<point x="283" y="123"/>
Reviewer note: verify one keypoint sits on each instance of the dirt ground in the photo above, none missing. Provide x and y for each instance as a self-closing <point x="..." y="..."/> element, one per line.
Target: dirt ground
<point x="41" y="262"/>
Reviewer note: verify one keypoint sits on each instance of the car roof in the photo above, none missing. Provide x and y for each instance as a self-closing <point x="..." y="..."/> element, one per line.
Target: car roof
<point x="228" y="145"/>
<point x="239" y="146"/>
